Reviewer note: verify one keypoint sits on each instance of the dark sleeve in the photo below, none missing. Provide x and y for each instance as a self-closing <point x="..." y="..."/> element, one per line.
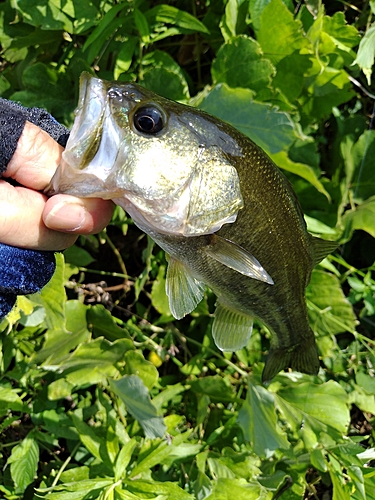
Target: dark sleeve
<point x="23" y="271"/>
<point x="12" y="120"/>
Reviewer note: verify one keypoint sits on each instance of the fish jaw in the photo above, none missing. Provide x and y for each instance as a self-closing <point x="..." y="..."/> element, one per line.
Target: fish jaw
<point x="91" y="150"/>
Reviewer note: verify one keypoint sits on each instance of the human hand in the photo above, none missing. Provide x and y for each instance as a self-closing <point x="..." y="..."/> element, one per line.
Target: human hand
<point x="31" y="220"/>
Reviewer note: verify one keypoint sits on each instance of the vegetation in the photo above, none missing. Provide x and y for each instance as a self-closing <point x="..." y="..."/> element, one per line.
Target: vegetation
<point x="102" y="394"/>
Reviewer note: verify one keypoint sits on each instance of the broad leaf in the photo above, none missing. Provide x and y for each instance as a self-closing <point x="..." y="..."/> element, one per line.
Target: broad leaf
<point x="315" y="402"/>
<point x="240" y="63"/>
<point x="163" y="75"/>
<point x="24" y="462"/>
<point x="258" y="421"/>
<point x="366" y="53"/>
<point x="171" y="15"/>
<point x="228" y="489"/>
<point x="272" y="130"/>
<point x="134" y="394"/>
<point x="279" y="34"/>
<point x="329" y="310"/>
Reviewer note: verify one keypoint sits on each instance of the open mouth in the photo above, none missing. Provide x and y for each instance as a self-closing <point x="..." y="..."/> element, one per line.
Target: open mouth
<point x="92" y="146"/>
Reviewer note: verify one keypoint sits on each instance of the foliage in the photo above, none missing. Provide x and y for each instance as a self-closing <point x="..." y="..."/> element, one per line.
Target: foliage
<point x="130" y="404"/>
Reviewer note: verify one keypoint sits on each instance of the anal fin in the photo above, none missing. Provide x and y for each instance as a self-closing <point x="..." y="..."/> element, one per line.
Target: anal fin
<point x="183" y="290"/>
<point x="231" y="330"/>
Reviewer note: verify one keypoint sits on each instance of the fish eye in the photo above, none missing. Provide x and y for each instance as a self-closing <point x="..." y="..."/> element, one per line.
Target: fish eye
<point x="148" y="120"/>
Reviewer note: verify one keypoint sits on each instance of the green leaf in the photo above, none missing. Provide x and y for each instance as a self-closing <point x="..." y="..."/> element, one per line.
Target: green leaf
<point x="256" y="8"/>
<point x="59" y="389"/>
<point x="125" y="56"/>
<point x="164" y="76"/>
<point x="157" y="454"/>
<point x="24" y="462"/>
<point x="159" y="297"/>
<point x="305" y="171"/>
<point x="90" y="438"/>
<point x="240" y="489"/>
<point x="279" y="33"/>
<point x="123" y="458"/>
<point x="9" y="400"/>
<point x="60" y="341"/>
<point x="77" y="490"/>
<point x="55" y="95"/>
<point x="258" y="421"/>
<point x="98" y="355"/>
<point x="290" y="76"/>
<point x="137" y="365"/>
<point x="329" y="310"/>
<point x="142" y="26"/>
<point x="134" y="394"/>
<point x="316" y="403"/>
<point x="47" y="14"/>
<point x="366" y="53"/>
<point x="361" y="179"/>
<point x="272" y="130"/>
<point x="103" y="324"/>
<point x="168" y="14"/>
<point x="329" y="87"/>
<point x="362" y="218"/>
<point x="103" y="25"/>
<point x="240" y="63"/>
<point x="162" y="490"/>
<point x="85" y="16"/>
<point x="78" y="256"/>
<point x="344" y="35"/>
<point x="216" y="387"/>
<point x="318" y="460"/>
<point x="53" y="297"/>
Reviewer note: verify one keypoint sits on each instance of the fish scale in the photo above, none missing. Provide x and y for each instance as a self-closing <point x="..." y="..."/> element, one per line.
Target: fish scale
<point x="213" y="200"/>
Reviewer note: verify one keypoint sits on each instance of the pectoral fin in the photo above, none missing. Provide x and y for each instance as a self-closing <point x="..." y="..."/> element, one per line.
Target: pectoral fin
<point x="234" y="256"/>
<point x="183" y="290"/>
<point x="231" y="330"/>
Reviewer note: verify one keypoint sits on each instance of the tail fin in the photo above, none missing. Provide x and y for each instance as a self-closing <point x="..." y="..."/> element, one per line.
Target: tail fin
<point x="302" y="357"/>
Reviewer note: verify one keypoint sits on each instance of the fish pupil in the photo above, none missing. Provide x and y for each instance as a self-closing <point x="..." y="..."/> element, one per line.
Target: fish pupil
<point x="148" y="120"/>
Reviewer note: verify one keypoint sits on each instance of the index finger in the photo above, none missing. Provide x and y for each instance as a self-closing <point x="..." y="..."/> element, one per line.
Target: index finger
<point x="36" y="158"/>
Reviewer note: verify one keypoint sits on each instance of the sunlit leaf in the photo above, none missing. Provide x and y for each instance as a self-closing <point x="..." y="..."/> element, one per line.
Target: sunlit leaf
<point x="136" y="364"/>
<point x="240" y="63"/>
<point x="169" y="14"/>
<point x="366" y="53"/>
<point x="258" y="421"/>
<point x="270" y="129"/>
<point x="315" y="402"/>
<point x="329" y="310"/>
<point x="24" y="462"/>
<point x="279" y="33"/>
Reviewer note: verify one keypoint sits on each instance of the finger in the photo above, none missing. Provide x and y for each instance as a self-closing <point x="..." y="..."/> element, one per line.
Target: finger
<point x="36" y="158"/>
<point x="76" y="215"/>
<point x="21" y="220"/>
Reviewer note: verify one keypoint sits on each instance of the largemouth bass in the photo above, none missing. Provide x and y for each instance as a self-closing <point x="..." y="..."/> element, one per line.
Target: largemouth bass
<point x="213" y="200"/>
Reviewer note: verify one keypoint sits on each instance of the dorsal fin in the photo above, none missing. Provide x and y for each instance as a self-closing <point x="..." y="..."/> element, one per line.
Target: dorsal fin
<point x="321" y="248"/>
<point x="234" y="256"/>
<point x="183" y="290"/>
<point x="231" y="330"/>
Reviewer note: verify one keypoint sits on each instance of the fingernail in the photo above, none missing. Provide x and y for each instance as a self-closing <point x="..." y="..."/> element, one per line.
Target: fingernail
<point x="66" y="217"/>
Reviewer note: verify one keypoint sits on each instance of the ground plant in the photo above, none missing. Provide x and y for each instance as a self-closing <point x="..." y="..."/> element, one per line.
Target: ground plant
<point x="103" y="395"/>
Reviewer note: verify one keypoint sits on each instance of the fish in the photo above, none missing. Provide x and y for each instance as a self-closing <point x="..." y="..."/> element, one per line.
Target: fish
<point x="224" y="213"/>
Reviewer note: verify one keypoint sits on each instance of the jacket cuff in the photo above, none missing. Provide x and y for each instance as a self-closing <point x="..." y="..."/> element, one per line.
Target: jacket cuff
<point x="12" y="121"/>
